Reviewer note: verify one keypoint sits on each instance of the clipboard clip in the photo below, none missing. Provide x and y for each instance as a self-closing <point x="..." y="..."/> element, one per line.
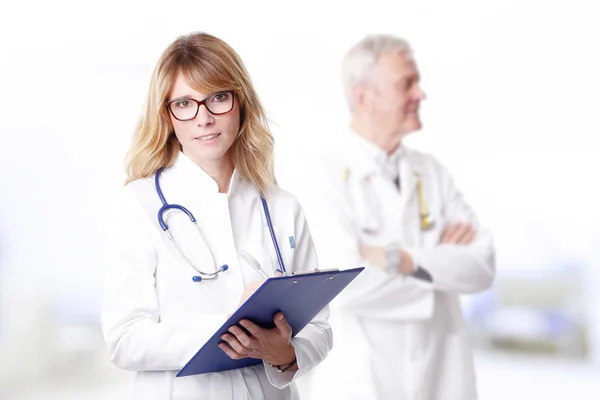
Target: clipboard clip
<point x="313" y="271"/>
<point x="255" y="264"/>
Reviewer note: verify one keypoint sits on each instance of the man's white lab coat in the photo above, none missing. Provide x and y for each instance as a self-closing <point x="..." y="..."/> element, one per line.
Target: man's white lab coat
<point x="397" y="337"/>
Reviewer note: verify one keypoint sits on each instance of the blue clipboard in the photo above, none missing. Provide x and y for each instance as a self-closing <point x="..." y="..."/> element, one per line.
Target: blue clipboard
<point x="300" y="297"/>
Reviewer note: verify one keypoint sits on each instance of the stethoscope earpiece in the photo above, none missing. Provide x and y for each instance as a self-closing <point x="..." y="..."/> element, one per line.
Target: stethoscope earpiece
<point x="197" y="278"/>
<point x="224" y="267"/>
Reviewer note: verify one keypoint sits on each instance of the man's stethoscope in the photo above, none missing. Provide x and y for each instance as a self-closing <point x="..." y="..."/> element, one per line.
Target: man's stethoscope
<point x="208" y="275"/>
<point x="426" y="218"/>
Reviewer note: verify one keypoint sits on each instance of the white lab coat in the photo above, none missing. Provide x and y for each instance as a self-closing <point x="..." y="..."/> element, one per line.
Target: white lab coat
<point x="397" y="337"/>
<point x="155" y="318"/>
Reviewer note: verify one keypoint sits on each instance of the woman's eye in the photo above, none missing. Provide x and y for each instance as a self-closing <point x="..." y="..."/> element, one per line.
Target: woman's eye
<point x="219" y="97"/>
<point x="183" y="103"/>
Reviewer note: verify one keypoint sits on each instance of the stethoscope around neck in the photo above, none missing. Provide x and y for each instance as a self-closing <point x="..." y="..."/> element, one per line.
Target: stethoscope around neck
<point x="217" y="270"/>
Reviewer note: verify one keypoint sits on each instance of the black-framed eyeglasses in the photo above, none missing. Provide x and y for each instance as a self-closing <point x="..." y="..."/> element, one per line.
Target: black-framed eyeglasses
<point x="217" y="104"/>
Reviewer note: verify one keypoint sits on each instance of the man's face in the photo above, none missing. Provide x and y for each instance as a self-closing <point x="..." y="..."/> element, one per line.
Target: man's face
<point x="394" y="95"/>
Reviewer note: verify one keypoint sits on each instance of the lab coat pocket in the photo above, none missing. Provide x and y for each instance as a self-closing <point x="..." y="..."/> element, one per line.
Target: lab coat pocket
<point x="212" y="386"/>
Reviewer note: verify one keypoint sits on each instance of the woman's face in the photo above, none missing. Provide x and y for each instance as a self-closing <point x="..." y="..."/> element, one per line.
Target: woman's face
<point x="205" y="137"/>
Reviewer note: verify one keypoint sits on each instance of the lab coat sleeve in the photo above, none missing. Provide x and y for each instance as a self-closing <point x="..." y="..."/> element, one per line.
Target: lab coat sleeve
<point x="313" y="343"/>
<point x="461" y="269"/>
<point x="135" y="336"/>
<point x="374" y="293"/>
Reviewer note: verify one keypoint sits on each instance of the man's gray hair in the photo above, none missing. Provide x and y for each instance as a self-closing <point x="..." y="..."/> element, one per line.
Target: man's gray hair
<point x="358" y="63"/>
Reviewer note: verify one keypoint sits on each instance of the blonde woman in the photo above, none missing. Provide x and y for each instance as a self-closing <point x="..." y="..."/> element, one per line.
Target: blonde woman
<point x="202" y="152"/>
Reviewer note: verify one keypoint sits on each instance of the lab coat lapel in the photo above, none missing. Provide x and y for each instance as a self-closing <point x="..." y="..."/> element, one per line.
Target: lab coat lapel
<point x="186" y="184"/>
<point x="367" y="206"/>
<point x="410" y="170"/>
<point x="360" y="168"/>
<point x="408" y="183"/>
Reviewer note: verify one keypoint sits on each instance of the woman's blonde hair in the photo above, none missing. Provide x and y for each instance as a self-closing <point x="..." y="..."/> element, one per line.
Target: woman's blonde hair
<point x="209" y="65"/>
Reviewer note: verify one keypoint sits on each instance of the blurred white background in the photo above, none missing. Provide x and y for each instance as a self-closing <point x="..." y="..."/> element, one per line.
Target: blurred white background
<point x="512" y="111"/>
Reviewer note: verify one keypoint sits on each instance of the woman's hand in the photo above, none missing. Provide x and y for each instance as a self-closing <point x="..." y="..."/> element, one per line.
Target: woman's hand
<point x="272" y="345"/>
<point x="249" y="291"/>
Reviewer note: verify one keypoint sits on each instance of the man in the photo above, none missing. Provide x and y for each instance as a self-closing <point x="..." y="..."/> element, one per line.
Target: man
<point x="398" y="328"/>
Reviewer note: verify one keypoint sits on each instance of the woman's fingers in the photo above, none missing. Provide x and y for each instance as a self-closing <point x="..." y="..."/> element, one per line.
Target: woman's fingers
<point x="230" y="352"/>
<point x="284" y="328"/>
<point x="235" y="344"/>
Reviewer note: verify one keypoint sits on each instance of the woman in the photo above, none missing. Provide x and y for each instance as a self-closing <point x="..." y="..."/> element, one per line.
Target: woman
<point x="203" y="132"/>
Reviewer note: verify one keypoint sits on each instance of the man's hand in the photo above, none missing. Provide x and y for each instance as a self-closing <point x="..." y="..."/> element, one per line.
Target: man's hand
<point x="376" y="256"/>
<point x="459" y="233"/>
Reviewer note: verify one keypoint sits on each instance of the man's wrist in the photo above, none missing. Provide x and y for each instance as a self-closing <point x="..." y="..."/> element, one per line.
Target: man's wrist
<point x="398" y="261"/>
<point x="407" y="266"/>
<point x="393" y="258"/>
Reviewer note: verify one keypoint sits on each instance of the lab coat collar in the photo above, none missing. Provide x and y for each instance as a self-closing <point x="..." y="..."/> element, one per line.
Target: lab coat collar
<point x="375" y="155"/>
<point x="187" y="171"/>
<point x="365" y="158"/>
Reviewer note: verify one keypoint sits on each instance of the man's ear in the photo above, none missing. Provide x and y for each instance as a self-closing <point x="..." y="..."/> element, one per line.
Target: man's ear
<point x="360" y="96"/>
